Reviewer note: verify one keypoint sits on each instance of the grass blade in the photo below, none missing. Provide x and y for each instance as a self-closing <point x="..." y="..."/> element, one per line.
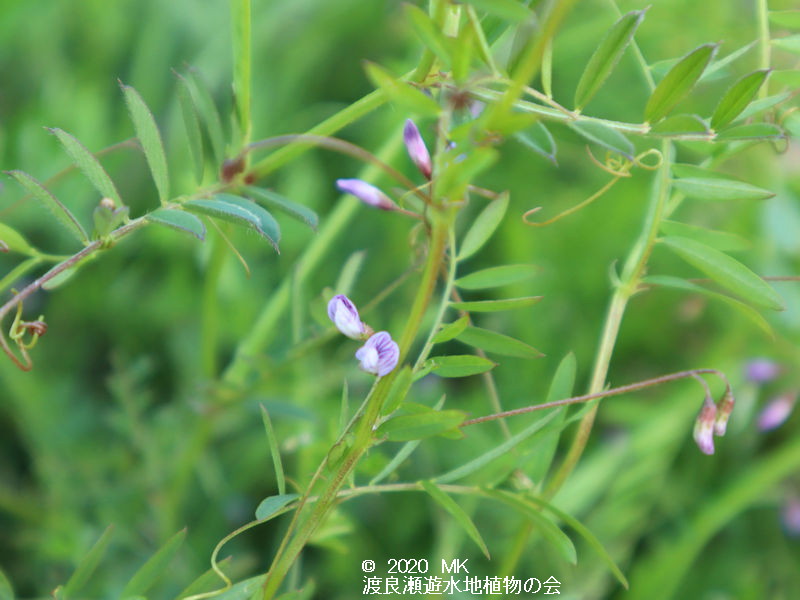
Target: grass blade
<point x="461" y="517"/>
<point x="274" y="450"/>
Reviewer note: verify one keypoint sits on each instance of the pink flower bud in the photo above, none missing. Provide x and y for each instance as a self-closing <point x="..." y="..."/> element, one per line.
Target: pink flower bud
<point x="724" y="411"/>
<point x="344" y="315"/>
<point x="704" y="428"/>
<point x="777" y="410"/>
<point x="379" y="355"/>
<point x="416" y="149"/>
<point x="365" y="192"/>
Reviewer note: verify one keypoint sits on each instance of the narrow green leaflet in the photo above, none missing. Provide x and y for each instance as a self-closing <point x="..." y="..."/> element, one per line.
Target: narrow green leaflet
<point x="227" y="211"/>
<point x="274" y="451"/>
<point x="209" y="115"/>
<point x="689" y="171"/>
<point x="785" y="18"/>
<point x="720" y="240"/>
<point x="678" y="82"/>
<point x="15" y="242"/>
<point x="483" y="227"/>
<point x="51" y="203"/>
<point x="759" y="106"/>
<point x="496" y="277"/>
<point x="790" y="43"/>
<point x="427" y="31"/>
<point x="267" y="225"/>
<point x="719" y="189"/>
<point x="90" y="166"/>
<point x="497" y="343"/>
<point x="508" y="10"/>
<point x="404" y="428"/>
<point x="292" y="209"/>
<point x="539" y="139"/>
<point x="248" y="589"/>
<point x="738" y="96"/>
<point x="605" y="136"/>
<point x="399" y="390"/>
<point x="451" y="330"/>
<point x="680" y="125"/>
<point x="682" y="284"/>
<point x="207" y="582"/>
<point x="179" y="220"/>
<point x="18" y="271"/>
<point x="461" y="517"/>
<point x="726" y="271"/>
<point x="191" y="122"/>
<point x="460" y="365"/>
<point x="716" y="70"/>
<point x="154" y="568"/>
<point x="401" y="92"/>
<point x="147" y="131"/>
<point x="606" y="57"/>
<point x="269" y="506"/>
<point x="752" y="131"/>
<point x="496" y="305"/>
<point x="88" y="564"/>
<point x="6" y="591"/>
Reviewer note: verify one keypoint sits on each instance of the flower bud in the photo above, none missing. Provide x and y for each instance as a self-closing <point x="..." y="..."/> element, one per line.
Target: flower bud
<point x="724" y="411"/>
<point x="775" y="413"/>
<point x="379" y="355"/>
<point x="704" y="428"/>
<point x="365" y="192"/>
<point x="417" y="149"/>
<point x="344" y="315"/>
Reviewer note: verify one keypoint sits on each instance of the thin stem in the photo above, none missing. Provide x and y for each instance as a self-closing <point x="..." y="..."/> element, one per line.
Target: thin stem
<point x="764" y="48"/>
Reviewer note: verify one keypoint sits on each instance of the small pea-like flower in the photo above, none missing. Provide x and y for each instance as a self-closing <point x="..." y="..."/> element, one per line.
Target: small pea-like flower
<point x="344" y="315"/>
<point x="724" y="410"/>
<point x="761" y="370"/>
<point x="366" y="192"/>
<point x="704" y="427"/>
<point x="775" y="413"/>
<point x="417" y="149"/>
<point x="379" y="355"/>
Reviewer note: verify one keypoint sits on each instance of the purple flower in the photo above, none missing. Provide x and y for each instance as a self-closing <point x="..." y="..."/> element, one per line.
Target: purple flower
<point x="704" y="428"/>
<point x="344" y="315"/>
<point x="379" y="355"/>
<point x="791" y="516"/>
<point x="416" y="149"/>
<point x="365" y="192"/>
<point x="761" y="370"/>
<point x="776" y="412"/>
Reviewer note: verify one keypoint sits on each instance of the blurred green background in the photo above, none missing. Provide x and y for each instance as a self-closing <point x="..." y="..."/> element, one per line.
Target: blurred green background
<point x="117" y="423"/>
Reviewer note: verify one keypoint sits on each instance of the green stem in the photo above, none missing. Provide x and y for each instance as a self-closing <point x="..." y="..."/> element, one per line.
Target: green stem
<point x="764" y="49"/>
<point x="363" y="434"/>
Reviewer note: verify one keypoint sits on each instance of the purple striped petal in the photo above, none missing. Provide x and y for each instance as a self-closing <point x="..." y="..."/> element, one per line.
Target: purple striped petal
<point x="379" y="355"/>
<point x="366" y="192"/>
<point x="344" y="315"/>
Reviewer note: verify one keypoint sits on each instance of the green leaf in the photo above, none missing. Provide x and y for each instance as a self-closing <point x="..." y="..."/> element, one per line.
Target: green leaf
<point x="763" y="104"/>
<point x="451" y="330"/>
<point x="689" y="171"/>
<point x="497" y="343"/>
<point x="88" y="564"/>
<point x="267" y="225"/>
<point x="606" y="57"/>
<point x="15" y="242"/>
<point x="789" y="43"/>
<point x="461" y="517"/>
<point x="429" y="33"/>
<point x="294" y="210"/>
<point x="716" y="70"/>
<point x="404" y="428"/>
<point x="787" y="77"/>
<point x="753" y="131"/>
<point x="719" y="189"/>
<point x="605" y="136"/>
<point x="65" y="275"/>
<point x="401" y="92"/>
<point x="680" y="125"/>
<point x="483" y="227"/>
<point x="149" y="572"/>
<point x="726" y="271"/>
<point x="720" y="240"/>
<point x="269" y="506"/>
<point x="498" y="451"/>
<point x="399" y="390"/>
<point x="249" y="589"/>
<point x="209" y="115"/>
<point x="89" y="165"/>
<point x="539" y="139"/>
<point x="790" y="19"/>
<point x="233" y="212"/>
<point x="496" y="277"/>
<point x="507" y="10"/>
<point x="147" y="131"/>
<point x="678" y="82"/>
<point x="460" y="365"/>
<point x="191" y="122"/>
<point x="180" y="220"/>
<point x="274" y="450"/>
<point x="6" y="591"/>
<point x="51" y="203"/>
<point x="738" y="96"/>
<point x="7" y="280"/>
<point x="682" y="284"/>
<point x="207" y="582"/>
<point x="496" y="305"/>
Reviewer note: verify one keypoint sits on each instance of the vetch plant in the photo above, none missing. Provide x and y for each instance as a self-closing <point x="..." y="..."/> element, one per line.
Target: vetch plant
<point x="459" y="297"/>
